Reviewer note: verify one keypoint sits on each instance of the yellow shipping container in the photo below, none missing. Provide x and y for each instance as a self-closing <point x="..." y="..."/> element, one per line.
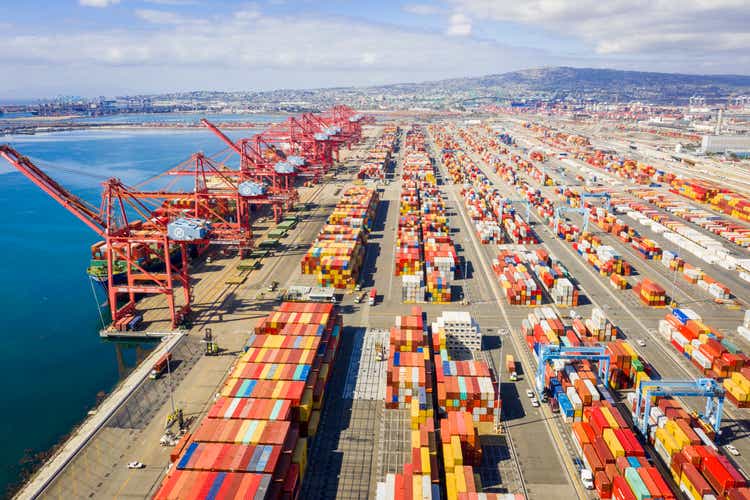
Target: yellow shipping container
<point x="687" y="487"/>
<point x="416" y="440"/>
<point x="678" y="434"/>
<point x="416" y="486"/>
<point x="736" y="390"/>
<point x="641" y="377"/>
<point x="626" y="345"/>
<point x="450" y="485"/>
<point x="741" y="381"/>
<point x="460" y="481"/>
<point x="458" y="457"/>
<point x="424" y="453"/>
<point x="448" y="457"/>
<point x="613" y="443"/>
<point x="667" y="441"/>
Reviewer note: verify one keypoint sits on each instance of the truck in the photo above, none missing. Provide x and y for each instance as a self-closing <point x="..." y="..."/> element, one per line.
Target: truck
<point x="510" y="365"/>
<point x="160" y="366"/>
<point x="359" y="298"/>
<point x="373" y="296"/>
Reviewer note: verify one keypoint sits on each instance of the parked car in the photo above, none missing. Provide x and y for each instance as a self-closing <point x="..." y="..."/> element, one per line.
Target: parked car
<point x="732" y="450"/>
<point x="135" y="465"/>
<point x="535" y="402"/>
<point x="529" y="393"/>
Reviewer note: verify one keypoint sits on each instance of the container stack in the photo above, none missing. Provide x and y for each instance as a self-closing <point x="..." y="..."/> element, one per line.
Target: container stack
<point x="542" y="326"/>
<point x="699" y="470"/>
<point x="627" y="369"/>
<point x="425" y="256"/>
<point x="412" y="288"/>
<point x="461" y="332"/>
<point x="409" y="388"/>
<point x="712" y="355"/>
<point x="650" y="293"/>
<point x="254" y="438"/>
<point x="379" y="155"/>
<point x="600" y="327"/>
<point x="338" y="252"/>
<point x="518" y="285"/>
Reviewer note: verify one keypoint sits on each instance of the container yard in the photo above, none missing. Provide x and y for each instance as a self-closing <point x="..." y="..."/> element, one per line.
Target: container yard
<point x="490" y="308"/>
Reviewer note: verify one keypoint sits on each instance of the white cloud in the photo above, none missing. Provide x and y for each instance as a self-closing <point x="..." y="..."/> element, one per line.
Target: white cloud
<point x="164" y="17"/>
<point x="630" y="27"/>
<point x="98" y="3"/>
<point x="421" y="9"/>
<point x="310" y="45"/>
<point x="459" y="25"/>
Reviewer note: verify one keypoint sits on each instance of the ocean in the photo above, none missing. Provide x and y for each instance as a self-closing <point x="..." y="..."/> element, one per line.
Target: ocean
<point x="53" y="364"/>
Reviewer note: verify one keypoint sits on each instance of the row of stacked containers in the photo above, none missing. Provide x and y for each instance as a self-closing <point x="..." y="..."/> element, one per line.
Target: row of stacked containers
<point x="445" y="445"/>
<point x="425" y="257"/>
<point x="707" y="349"/>
<point x="253" y="441"/>
<point x="520" y="272"/>
<point x="718" y="198"/>
<point x="603" y="258"/>
<point x="710" y="352"/>
<point x="379" y="155"/>
<point x="494" y="217"/>
<point x="739" y="234"/>
<point x="673" y="231"/>
<point x="337" y="254"/>
<point x="608" y="446"/>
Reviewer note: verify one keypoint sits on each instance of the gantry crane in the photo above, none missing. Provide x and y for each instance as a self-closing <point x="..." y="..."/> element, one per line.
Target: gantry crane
<point x="524" y="202"/>
<point x="551" y="352"/>
<point x="605" y="196"/>
<point x="266" y="173"/>
<point x="584" y="212"/>
<point x="702" y="387"/>
<point x="126" y="223"/>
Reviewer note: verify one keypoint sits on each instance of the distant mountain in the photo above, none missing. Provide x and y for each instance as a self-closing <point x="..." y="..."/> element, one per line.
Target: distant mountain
<point x="586" y="83"/>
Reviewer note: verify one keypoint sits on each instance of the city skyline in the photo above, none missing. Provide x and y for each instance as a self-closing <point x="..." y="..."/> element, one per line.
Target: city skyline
<point x="125" y="47"/>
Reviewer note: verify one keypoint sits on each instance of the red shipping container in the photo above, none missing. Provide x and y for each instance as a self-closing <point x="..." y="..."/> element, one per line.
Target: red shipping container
<point x="621" y="490"/>
<point x="696" y="479"/>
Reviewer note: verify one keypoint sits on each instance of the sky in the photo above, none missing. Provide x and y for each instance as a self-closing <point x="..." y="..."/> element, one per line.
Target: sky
<point x="125" y="47"/>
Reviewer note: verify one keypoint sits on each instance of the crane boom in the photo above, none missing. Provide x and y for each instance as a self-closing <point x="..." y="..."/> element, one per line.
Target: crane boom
<point x="222" y="136"/>
<point x="82" y="209"/>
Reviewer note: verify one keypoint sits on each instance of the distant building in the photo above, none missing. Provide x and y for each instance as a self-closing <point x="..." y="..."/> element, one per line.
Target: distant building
<point x="739" y="144"/>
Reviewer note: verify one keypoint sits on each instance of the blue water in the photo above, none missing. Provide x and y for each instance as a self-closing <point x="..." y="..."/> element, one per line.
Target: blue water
<point x="52" y="362"/>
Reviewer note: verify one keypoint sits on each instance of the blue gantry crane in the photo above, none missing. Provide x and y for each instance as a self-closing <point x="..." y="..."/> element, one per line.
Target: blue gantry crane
<point x="560" y="210"/>
<point x="549" y="352"/>
<point x="605" y="196"/>
<point x="702" y="387"/>
<point x="525" y="202"/>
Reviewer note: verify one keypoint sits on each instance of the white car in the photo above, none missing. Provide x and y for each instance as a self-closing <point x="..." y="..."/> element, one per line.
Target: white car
<point x="529" y="393"/>
<point x="641" y="342"/>
<point x="535" y="402"/>
<point x="732" y="450"/>
<point x="587" y="478"/>
<point x="135" y="465"/>
<point x="574" y="315"/>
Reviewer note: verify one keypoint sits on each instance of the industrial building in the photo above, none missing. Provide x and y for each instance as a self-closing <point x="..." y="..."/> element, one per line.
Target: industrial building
<point x="737" y="144"/>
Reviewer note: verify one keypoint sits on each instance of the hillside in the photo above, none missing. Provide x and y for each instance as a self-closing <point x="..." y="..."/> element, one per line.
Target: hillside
<point x="584" y="83"/>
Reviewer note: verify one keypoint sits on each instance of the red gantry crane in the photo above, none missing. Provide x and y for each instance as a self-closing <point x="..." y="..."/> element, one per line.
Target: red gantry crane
<point x="147" y="234"/>
<point x="266" y="175"/>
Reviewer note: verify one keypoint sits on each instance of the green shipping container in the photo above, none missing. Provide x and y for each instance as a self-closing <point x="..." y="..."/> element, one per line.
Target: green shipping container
<point x="636" y="483"/>
<point x="730" y="346"/>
